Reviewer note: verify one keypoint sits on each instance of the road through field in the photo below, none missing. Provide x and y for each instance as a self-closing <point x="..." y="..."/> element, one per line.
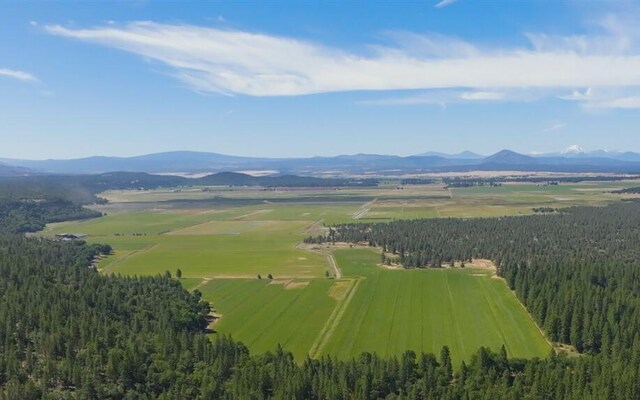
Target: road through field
<point x="332" y="262"/>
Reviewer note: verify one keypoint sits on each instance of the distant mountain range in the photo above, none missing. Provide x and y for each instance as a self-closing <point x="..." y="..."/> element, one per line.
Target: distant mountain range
<point x="465" y="155"/>
<point x="574" y="159"/>
<point x="9" y="170"/>
<point x="577" y="151"/>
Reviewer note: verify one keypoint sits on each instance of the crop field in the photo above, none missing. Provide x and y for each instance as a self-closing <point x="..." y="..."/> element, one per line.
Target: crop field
<point x="237" y="242"/>
<point x="423" y="310"/>
<point x="376" y="310"/>
<point x="222" y="238"/>
<point x="262" y="314"/>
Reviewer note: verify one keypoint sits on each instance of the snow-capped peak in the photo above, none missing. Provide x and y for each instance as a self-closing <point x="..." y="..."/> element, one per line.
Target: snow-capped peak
<point x="575" y="149"/>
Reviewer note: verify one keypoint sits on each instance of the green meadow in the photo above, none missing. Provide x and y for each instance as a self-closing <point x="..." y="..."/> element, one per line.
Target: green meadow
<point x="222" y="239"/>
<point x="423" y="310"/>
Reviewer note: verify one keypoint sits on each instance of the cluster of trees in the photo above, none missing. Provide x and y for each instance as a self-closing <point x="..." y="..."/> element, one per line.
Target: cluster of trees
<point x="631" y="190"/>
<point x="19" y="216"/>
<point x="543" y="210"/>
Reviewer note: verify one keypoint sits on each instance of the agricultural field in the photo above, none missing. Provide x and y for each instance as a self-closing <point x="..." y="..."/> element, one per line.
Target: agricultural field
<point x="263" y="313"/>
<point x="423" y="310"/>
<point x="373" y="309"/>
<point x="222" y="239"/>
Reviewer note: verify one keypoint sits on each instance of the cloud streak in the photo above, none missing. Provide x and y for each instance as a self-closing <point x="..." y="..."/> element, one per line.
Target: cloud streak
<point x="19" y="75"/>
<point x="554" y="128"/>
<point x="236" y="62"/>
<point x="444" y="3"/>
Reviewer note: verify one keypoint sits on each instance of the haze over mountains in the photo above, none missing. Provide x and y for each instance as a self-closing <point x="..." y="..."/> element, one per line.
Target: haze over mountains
<point x="573" y="159"/>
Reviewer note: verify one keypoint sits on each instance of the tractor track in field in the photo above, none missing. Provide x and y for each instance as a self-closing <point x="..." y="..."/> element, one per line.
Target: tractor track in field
<point x="333" y="321"/>
<point x="129" y="255"/>
<point x="363" y="210"/>
<point x="332" y="262"/>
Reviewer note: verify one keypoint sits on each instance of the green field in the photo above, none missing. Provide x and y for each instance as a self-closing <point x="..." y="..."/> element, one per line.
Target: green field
<point x="222" y="238"/>
<point x="377" y="310"/>
<point x="262" y="314"/>
<point x="423" y="310"/>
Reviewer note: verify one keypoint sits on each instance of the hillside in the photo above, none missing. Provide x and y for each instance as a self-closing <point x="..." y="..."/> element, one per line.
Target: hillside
<point x="202" y="162"/>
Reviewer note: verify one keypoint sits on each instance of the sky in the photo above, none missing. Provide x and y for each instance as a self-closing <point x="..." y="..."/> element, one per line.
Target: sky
<point x="297" y="79"/>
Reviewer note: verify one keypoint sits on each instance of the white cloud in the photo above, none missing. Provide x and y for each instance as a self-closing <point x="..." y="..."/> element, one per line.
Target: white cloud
<point x="20" y="75"/>
<point x="436" y="98"/>
<point x="613" y="99"/>
<point x="443" y="97"/>
<point x="482" y="96"/>
<point x="237" y="62"/>
<point x="629" y="102"/>
<point x="577" y="95"/>
<point x="444" y="3"/>
<point x="554" y="127"/>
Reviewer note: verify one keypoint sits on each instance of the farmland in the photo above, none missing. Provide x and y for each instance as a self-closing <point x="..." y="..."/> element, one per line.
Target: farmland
<point x="222" y="239"/>
<point x="423" y="310"/>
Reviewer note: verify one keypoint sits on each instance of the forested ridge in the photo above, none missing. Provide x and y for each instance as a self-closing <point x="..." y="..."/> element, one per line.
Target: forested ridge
<point x="82" y="189"/>
<point x="19" y="216"/>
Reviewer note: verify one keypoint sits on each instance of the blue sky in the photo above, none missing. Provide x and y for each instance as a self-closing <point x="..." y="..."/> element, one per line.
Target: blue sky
<point x="317" y="78"/>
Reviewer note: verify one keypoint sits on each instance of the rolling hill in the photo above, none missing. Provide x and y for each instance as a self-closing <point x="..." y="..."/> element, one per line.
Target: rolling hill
<point x="357" y="164"/>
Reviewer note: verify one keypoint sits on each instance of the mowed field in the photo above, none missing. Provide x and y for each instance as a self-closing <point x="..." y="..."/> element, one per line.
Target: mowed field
<point x="423" y="310"/>
<point x="373" y="309"/>
<point x="203" y="243"/>
<point x="221" y="239"/>
<point x="263" y="313"/>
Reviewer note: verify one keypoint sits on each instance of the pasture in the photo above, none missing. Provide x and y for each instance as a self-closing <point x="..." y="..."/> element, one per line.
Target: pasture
<point x="222" y="238"/>
<point x="423" y="310"/>
<point x="263" y="313"/>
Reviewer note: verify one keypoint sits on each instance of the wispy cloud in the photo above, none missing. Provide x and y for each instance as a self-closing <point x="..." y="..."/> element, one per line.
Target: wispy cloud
<point x="444" y="3"/>
<point x="603" y="99"/>
<point x="454" y="96"/>
<point x="628" y="102"/>
<point x="439" y="98"/>
<point x="554" y="127"/>
<point x="482" y="96"/>
<point x="255" y="64"/>
<point x="577" y="95"/>
<point x="16" y="74"/>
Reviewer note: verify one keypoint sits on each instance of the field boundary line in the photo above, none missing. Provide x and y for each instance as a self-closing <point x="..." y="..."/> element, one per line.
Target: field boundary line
<point x="363" y="210"/>
<point x="535" y="323"/>
<point x="456" y="325"/>
<point x="393" y="315"/>
<point x="333" y="320"/>
<point x="115" y="263"/>
<point x="313" y="225"/>
<point x="203" y="282"/>
<point x="526" y="311"/>
<point x="332" y="262"/>
<point x="494" y="313"/>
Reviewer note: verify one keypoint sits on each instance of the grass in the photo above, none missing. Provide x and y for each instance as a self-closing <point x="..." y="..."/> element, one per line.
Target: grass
<point x="377" y="310"/>
<point x="423" y="310"/>
<point x="229" y="242"/>
<point x="370" y="308"/>
<point x="262" y="314"/>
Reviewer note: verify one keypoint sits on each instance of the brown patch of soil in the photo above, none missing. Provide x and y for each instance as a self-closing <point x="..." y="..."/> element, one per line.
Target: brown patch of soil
<point x="296" y="285"/>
